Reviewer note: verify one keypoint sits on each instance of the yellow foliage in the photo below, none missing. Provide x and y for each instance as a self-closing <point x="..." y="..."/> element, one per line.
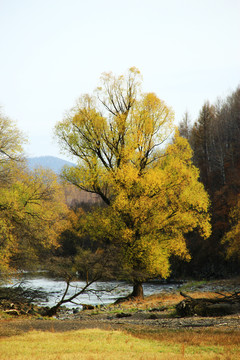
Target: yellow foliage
<point x="32" y="206"/>
<point x="152" y="192"/>
<point x="33" y="214"/>
<point x="232" y="238"/>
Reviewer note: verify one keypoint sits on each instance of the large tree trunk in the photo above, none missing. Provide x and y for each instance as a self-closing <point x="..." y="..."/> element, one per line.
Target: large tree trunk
<point x="137" y="290"/>
<point x="137" y="293"/>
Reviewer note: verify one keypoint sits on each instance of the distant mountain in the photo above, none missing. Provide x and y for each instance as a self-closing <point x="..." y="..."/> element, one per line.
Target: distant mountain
<point x="73" y="195"/>
<point x="48" y="162"/>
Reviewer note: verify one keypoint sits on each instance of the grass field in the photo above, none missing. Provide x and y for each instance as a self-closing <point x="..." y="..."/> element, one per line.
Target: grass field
<point x="96" y="344"/>
<point x="52" y="340"/>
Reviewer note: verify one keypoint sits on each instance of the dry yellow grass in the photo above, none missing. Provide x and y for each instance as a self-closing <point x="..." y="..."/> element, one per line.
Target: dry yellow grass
<point x="136" y="343"/>
<point x="164" y="299"/>
<point x="96" y="344"/>
<point x="203" y="337"/>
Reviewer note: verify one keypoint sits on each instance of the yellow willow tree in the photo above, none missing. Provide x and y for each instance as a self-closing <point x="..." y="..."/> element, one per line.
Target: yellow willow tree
<point x="152" y="192"/>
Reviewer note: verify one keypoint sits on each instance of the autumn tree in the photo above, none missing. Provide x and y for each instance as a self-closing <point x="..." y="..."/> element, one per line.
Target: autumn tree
<point x="232" y="237"/>
<point x="32" y="207"/>
<point x="151" y="193"/>
<point x="32" y="215"/>
<point x="11" y="151"/>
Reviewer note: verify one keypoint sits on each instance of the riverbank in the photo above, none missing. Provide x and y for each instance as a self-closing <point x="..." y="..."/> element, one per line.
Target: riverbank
<point x="134" y="324"/>
<point x="141" y="330"/>
<point x="153" y="313"/>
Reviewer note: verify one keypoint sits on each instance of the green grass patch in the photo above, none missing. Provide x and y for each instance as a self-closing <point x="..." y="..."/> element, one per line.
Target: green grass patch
<point x="194" y="285"/>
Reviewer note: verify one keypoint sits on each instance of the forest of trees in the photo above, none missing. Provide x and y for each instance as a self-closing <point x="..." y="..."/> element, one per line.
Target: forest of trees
<point x="215" y="140"/>
<point x="168" y="200"/>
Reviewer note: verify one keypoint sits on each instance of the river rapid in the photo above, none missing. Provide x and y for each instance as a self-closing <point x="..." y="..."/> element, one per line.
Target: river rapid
<point x="99" y="293"/>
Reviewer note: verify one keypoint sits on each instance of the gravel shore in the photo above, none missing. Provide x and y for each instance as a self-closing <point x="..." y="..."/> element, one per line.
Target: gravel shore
<point x="136" y="321"/>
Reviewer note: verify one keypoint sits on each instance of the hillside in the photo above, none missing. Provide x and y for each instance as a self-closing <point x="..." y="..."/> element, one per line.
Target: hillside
<point x="73" y="195"/>
<point x="49" y="162"/>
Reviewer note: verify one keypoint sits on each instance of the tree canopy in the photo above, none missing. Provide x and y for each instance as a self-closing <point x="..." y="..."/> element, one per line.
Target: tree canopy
<point x="121" y="139"/>
<point x="32" y="204"/>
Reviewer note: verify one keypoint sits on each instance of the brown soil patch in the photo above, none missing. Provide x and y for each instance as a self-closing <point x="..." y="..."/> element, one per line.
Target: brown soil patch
<point x="136" y="321"/>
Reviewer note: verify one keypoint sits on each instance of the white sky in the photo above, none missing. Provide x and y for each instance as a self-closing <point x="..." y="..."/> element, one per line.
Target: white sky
<point x="52" y="51"/>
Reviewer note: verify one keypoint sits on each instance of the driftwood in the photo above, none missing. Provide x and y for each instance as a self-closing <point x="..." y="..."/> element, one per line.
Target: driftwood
<point x="219" y="306"/>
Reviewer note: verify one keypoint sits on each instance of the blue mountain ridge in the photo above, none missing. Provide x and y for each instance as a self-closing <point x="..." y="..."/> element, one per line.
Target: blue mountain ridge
<point x="48" y="162"/>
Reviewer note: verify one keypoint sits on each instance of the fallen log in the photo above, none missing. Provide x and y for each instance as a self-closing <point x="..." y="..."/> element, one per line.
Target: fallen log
<point x="218" y="306"/>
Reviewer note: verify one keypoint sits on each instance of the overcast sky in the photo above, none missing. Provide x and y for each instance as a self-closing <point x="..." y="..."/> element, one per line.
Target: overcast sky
<point x="52" y="51"/>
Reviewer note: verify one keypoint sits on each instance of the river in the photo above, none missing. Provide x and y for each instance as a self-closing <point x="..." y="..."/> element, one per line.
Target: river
<point x="98" y="293"/>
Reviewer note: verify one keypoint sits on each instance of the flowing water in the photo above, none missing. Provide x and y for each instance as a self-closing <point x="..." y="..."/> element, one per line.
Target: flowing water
<point x="98" y="293"/>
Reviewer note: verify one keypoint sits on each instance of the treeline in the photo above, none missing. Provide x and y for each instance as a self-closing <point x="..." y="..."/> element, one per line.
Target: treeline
<point x="215" y="141"/>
